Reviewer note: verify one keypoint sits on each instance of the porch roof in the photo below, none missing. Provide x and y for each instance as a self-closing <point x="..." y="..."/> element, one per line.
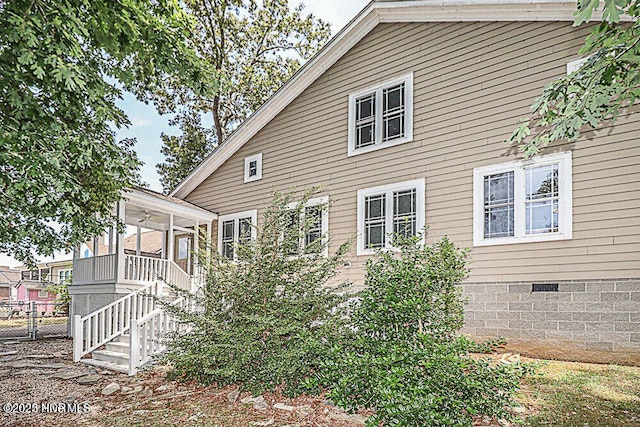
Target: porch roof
<point x="149" y="200"/>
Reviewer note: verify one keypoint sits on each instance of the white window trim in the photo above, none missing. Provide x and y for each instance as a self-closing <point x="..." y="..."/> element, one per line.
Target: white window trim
<point x="564" y="203"/>
<point x="45" y="292"/>
<point x="65" y="270"/>
<point x="247" y="161"/>
<point x="407" y="79"/>
<point x="324" y="200"/>
<point x="253" y="214"/>
<point x="418" y="184"/>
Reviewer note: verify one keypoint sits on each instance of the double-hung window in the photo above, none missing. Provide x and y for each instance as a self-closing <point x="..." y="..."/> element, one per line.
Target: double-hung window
<point x="236" y="229"/>
<point x="314" y="217"/>
<point x="381" y="116"/>
<point x="388" y="210"/>
<point x="524" y="201"/>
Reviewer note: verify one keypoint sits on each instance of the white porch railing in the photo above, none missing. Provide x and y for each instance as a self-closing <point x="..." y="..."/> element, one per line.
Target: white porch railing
<point x="143" y="269"/>
<point x="147" y="334"/>
<point x="95" y="270"/>
<point x="176" y="276"/>
<point x="103" y="325"/>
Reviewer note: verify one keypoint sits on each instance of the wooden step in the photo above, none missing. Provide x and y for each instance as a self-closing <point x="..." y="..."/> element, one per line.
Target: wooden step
<point x="119" y="346"/>
<point x="106" y="365"/>
<point x="111" y="356"/>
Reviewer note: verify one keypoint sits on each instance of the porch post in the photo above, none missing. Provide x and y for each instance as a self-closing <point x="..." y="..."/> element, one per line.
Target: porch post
<point x="171" y="239"/>
<point x="120" y="264"/>
<point x="196" y="248"/>
<point x="208" y="241"/>
<point x="110" y="234"/>
<point x="138" y="240"/>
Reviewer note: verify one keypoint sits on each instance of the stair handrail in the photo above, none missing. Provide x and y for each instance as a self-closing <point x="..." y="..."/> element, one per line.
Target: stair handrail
<point x="177" y="276"/>
<point x="101" y="326"/>
<point x="145" y="332"/>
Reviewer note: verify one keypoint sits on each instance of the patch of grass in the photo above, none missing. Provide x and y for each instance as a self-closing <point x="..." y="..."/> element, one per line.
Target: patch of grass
<point x="578" y="394"/>
<point x="22" y="321"/>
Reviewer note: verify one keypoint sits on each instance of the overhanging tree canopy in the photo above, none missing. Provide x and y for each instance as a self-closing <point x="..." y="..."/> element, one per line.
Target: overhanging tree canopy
<point x="608" y="82"/>
<point x="61" y="65"/>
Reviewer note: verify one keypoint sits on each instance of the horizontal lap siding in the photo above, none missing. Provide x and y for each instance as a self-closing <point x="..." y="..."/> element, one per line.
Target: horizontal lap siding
<point x="472" y="83"/>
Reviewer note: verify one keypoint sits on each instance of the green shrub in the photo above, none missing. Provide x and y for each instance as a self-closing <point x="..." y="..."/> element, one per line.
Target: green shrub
<point x="404" y="358"/>
<point x="266" y="317"/>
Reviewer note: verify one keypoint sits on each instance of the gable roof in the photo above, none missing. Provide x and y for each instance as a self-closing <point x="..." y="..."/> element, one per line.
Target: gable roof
<point x="376" y="12"/>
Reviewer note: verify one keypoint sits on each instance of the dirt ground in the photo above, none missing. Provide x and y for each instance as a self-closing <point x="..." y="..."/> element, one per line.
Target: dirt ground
<point x="41" y="386"/>
<point x="37" y="398"/>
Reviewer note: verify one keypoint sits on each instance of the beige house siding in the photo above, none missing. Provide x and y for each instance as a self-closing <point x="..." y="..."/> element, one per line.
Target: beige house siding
<point x="472" y="83"/>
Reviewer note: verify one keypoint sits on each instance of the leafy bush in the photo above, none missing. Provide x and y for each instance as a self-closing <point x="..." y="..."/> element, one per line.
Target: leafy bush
<point x="266" y="317"/>
<point x="404" y="358"/>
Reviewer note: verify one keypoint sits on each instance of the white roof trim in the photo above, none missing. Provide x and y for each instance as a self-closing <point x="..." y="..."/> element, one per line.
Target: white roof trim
<point x="142" y="199"/>
<point x="373" y="14"/>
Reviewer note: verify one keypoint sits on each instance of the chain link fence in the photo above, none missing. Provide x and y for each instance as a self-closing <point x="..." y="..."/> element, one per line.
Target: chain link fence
<point x="33" y="320"/>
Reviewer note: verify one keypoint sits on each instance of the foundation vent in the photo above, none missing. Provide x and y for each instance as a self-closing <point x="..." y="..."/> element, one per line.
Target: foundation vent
<point x="544" y="287"/>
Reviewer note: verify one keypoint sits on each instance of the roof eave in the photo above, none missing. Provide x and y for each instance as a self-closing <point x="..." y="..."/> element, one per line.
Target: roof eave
<point x="373" y="14"/>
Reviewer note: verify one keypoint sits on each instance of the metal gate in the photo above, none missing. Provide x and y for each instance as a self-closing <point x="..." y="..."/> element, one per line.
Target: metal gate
<point x="33" y="320"/>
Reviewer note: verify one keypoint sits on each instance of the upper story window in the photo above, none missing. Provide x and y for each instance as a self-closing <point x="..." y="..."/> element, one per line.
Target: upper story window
<point x="381" y="116"/>
<point x="64" y="276"/>
<point x="253" y="168"/>
<point x="236" y="229"/>
<point x="524" y="201"/>
<point x="388" y="210"/>
<point x="315" y="218"/>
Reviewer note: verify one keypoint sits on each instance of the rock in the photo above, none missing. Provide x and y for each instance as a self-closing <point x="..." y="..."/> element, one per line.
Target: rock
<point x="303" y="410"/>
<point x="8" y="353"/>
<point x="136" y="389"/>
<point x="162" y="388"/>
<point x="233" y="395"/>
<point x="39" y="356"/>
<point x="110" y="389"/>
<point x="146" y="392"/>
<point x="509" y="358"/>
<point x="261" y="406"/>
<point x="68" y="375"/>
<point x="353" y="418"/>
<point x="38" y="365"/>
<point x="90" y="379"/>
<point x="504" y="423"/>
<point x="518" y="409"/>
<point x="59" y="354"/>
<point x="284" y="407"/>
<point x="250" y="400"/>
<point x="125" y="390"/>
<point x="262" y="423"/>
<point x="195" y="416"/>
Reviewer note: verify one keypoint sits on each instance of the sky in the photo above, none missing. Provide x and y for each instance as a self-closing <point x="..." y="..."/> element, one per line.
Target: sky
<point x="147" y="125"/>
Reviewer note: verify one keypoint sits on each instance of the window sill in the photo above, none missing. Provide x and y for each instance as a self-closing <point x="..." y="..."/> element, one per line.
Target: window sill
<point x="547" y="237"/>
<point x="354" y="152"/>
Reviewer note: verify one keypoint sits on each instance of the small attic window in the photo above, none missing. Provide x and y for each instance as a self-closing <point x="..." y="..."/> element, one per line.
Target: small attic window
<point x="253" y="168"/>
